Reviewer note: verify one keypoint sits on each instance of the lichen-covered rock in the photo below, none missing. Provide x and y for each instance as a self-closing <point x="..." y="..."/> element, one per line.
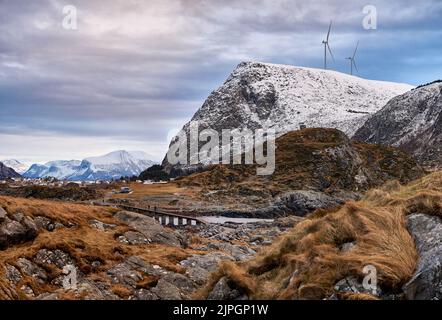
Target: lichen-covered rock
<point x="13" y="232"/>
<point x="351" y="284"/>
<point x="165" y="290"/>
<point x="426" y="283"/>
<point x="3" y="214"/>
<point x="302" y="202"/>
<point x="12" y="274"/>
<point x="56" y="257"/>
<point x="150" y="228"/>
<point x="31" y="269"/>
<point x="223" y="291"/>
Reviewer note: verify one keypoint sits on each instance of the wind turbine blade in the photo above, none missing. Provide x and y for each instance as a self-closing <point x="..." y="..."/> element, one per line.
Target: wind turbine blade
<point x="354" y="63"/>
<point x="354" y="54"/>
<point x="331" y="54"/>
<point x="329" y="29"/>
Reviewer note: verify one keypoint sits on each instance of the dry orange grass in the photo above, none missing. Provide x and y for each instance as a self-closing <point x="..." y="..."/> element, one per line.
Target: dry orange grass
<point x="82" y="242"/>
<point x="306" y="262"/>
<point x="143" y="190"/>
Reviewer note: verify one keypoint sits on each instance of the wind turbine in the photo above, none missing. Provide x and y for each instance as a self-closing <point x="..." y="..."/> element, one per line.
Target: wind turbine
<point x="327" y="47"/>
<point x="352" y="60"/>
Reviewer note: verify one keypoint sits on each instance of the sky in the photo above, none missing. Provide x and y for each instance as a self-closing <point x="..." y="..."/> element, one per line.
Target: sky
<point x="133" y="71"/>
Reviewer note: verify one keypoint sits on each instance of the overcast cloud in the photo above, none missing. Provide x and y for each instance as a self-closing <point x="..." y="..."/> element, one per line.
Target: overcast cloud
<point x="135" y="70"/>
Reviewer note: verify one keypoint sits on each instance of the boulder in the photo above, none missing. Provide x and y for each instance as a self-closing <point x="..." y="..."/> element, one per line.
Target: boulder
<point x="351" y="284"/>
<point x="31" y="269"/>
<point x="199" y="267"/>
<point x="134" y="238"/>
<point x="150" y="228"/>
<point x="53" y="257"/>
<point x="239" y="253"/>
<point x="12" y="274"/>
<point x="302" y="202"/>
<point x="44" y="223"/>
<point x="165" y="290"/>
<point x="426" y="283"/>
<point x="13" y="232"/>
<point x="3" y="214"/>
<point x="224" y="291"/>
<point x="101" y="226"/>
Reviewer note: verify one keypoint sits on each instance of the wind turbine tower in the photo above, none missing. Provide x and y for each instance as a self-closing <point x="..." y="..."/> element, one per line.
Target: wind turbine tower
<point x="353" y="61"/>
<point x="327" y="47"/>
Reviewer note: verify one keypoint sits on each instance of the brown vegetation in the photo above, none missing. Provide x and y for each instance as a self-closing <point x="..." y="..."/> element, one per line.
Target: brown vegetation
<point x="81" y="241"/>
<point x="306" y="262"/>
<point x="71" y="191"/>
<point x="321" y="159"/>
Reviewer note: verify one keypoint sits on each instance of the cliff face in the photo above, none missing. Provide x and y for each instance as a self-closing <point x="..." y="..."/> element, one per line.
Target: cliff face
<point x="412" y="122"/>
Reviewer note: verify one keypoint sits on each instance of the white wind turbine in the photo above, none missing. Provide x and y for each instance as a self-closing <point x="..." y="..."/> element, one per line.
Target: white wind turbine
<point x="353" y="61"/>
<point x="327" y="47"/>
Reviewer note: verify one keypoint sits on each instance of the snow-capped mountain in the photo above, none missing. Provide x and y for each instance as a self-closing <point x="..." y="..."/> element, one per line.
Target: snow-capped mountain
<point x="110" y="166"/>
<point x="18" y="166"/>
<point x="261" y="95"/>
<point x="7" y="172"/>
<point x="412" y="122"/>
<point x="56" y="169"/>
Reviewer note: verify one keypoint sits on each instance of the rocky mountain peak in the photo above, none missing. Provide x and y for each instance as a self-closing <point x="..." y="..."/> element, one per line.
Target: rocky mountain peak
<point x="261" y="95"/>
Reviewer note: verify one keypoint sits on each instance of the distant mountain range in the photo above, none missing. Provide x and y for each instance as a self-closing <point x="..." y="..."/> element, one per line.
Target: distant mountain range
<point x="111" y="166"/>
<point x="7" y="172"/>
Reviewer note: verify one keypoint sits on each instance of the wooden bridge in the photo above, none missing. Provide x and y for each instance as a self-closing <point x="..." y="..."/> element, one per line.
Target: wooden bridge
<point x="164" y="217"/>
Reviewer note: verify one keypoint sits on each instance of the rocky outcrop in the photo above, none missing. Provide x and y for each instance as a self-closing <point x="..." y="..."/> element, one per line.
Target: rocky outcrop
<point x="412" y="122"/>
<point x="149" y="230"/>
<point x="426" y="283"/>
<point x="225" y="290"/>
<point x="305" y="201"/>
<point x="16" y="229"/>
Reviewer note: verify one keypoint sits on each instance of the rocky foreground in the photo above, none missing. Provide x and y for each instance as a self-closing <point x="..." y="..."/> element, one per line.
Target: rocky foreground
<point x="56" y="250"/>
<point x="48" y="252"/>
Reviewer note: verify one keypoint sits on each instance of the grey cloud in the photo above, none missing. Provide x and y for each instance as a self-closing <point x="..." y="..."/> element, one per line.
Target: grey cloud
<point x="136" y="69"/>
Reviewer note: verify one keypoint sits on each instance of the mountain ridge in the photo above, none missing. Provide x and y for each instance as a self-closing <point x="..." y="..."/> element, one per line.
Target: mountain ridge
<point x="110" y="166"/>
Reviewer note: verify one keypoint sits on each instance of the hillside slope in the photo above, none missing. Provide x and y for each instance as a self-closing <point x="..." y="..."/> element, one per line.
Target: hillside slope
<point x="6" y="172"/>
<point x="310" y="163"/>
<point x="412" y="122"/>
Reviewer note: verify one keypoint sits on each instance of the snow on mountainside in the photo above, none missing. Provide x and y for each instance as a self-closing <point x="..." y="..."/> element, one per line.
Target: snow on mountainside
<point x="412" y="122"/>
<point x="7" y="172"/>
<point x="18" y="166"/>
<point x="110" y="166"/>
<point x="56" y="169"/>
<point x="262" y="95"/>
